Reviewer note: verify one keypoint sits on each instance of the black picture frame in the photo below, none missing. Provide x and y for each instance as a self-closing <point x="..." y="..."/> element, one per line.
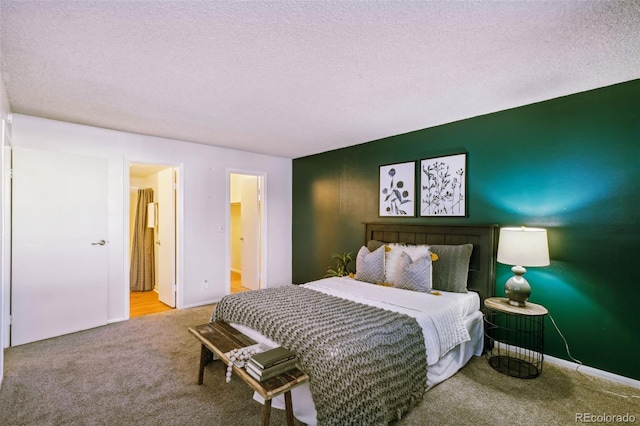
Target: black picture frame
<point x="443" y="186"/>
<point x="396" y="190"/>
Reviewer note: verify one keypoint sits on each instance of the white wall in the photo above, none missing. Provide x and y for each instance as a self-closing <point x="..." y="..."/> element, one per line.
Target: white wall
<point x="4" y="284"/>
<point x="204" y="193"/>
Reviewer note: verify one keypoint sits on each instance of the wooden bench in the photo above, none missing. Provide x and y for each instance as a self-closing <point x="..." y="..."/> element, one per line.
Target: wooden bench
<point x="218" y="338"/>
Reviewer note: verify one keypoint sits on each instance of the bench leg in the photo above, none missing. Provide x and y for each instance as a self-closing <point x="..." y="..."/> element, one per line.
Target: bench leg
<point x="288" y="408"/>
<point x="204" y="355"/>
<point x="266" y="412"/>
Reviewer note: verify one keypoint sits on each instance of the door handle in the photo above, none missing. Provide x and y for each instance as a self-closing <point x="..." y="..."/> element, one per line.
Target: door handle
<point x="99" y="243"/>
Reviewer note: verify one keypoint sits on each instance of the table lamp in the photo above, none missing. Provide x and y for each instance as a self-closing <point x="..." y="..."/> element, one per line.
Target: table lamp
<point x="521" y="247"/>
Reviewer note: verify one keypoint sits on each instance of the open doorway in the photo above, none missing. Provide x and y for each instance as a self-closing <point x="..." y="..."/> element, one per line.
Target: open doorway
<point x="152" y="238"/>
<point x="245" y="231"/>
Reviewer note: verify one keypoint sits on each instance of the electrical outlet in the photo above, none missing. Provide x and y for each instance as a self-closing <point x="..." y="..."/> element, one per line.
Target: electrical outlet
<point x="206" y="284"/>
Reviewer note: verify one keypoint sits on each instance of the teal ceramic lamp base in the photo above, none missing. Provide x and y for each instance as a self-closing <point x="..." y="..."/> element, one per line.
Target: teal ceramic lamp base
<point x="517" y="288"/>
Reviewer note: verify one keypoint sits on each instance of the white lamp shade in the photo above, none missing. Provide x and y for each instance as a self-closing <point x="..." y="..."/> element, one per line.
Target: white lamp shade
<point x="523" y="247"/>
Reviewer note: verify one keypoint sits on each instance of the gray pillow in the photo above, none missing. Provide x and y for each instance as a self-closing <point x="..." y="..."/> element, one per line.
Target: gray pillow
<point x="451" y="270"/>
<point x="414" y="276"/>
<point x="374" y="245"/>
<point x="370" y="265"/>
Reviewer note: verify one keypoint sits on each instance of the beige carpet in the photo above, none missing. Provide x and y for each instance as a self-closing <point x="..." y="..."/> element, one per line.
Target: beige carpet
<point x="143" y="372"/>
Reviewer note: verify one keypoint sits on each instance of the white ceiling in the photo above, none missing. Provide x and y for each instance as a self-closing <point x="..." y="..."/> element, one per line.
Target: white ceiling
<point x="294" y="78"/>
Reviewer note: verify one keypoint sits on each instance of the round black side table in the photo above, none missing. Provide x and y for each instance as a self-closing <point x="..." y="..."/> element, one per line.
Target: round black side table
<point x="515" y="337"/>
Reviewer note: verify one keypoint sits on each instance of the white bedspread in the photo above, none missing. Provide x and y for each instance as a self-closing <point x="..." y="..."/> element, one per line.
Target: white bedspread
<point x="440" y="317"/>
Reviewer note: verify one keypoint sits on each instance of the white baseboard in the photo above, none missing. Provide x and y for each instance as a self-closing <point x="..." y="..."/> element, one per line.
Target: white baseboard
<point x="206" y="302"/>
<point x="593" y="371"/>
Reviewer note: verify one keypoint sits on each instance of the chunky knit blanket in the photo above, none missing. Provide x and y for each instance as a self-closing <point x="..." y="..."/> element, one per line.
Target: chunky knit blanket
<point x="367" y="365"/>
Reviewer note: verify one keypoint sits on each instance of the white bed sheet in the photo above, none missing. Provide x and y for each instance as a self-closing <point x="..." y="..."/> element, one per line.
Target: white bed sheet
<point x="440" y="316"/>
<point x="440" y="365"/>
<point x="352" y="289"/>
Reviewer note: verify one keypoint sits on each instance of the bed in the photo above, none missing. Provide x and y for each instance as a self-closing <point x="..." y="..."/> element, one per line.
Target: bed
<point x="372" y="346"/>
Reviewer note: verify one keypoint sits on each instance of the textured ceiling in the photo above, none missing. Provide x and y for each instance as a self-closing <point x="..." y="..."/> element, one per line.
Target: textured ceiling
<point x="293" y="78"/>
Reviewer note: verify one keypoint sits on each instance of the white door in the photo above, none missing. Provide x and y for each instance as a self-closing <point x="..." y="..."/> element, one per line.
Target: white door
<point x="250" y="219"/>
<point x="60" y="252"/>
<point x="165" y="239"/>
<point x="5" y="269"/>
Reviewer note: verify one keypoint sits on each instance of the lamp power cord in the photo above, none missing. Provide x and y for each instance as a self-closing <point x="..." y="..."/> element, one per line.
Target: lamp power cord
<point x="580" y="364"/>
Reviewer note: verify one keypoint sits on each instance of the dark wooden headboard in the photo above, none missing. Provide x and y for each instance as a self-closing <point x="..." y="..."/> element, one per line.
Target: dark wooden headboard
<point x="482" y="267"/>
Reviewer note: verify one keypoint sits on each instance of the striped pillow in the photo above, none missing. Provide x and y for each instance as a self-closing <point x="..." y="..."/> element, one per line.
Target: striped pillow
<point x="414" y="276"/>
<point x="370" y="265"/>
<point x="392" y="259"/>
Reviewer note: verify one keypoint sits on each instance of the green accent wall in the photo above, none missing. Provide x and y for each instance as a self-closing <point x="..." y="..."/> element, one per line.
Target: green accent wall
<point x="571" y="165"/>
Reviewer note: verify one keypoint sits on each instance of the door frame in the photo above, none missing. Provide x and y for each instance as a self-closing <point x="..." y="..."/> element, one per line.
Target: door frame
<point x="5" y="238"/>
<point x="262" y="176"/>
<point x="179" y="261"/>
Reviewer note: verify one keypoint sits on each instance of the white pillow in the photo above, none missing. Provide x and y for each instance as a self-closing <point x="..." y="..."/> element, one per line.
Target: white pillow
<point x="392" y="257"/>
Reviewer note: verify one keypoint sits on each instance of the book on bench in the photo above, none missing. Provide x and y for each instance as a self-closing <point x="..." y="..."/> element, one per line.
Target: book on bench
<point x="263" y="374"/>
<point x="272" y="357"/>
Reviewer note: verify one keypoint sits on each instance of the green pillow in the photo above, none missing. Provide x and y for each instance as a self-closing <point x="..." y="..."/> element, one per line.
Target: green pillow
<point x="451" y="270"/>
<point x="374" y="245"/>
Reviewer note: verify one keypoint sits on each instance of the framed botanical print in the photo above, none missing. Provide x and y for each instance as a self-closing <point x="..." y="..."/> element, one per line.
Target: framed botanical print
<point x="397" y="189"/>
<point x="443" y="186"/>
